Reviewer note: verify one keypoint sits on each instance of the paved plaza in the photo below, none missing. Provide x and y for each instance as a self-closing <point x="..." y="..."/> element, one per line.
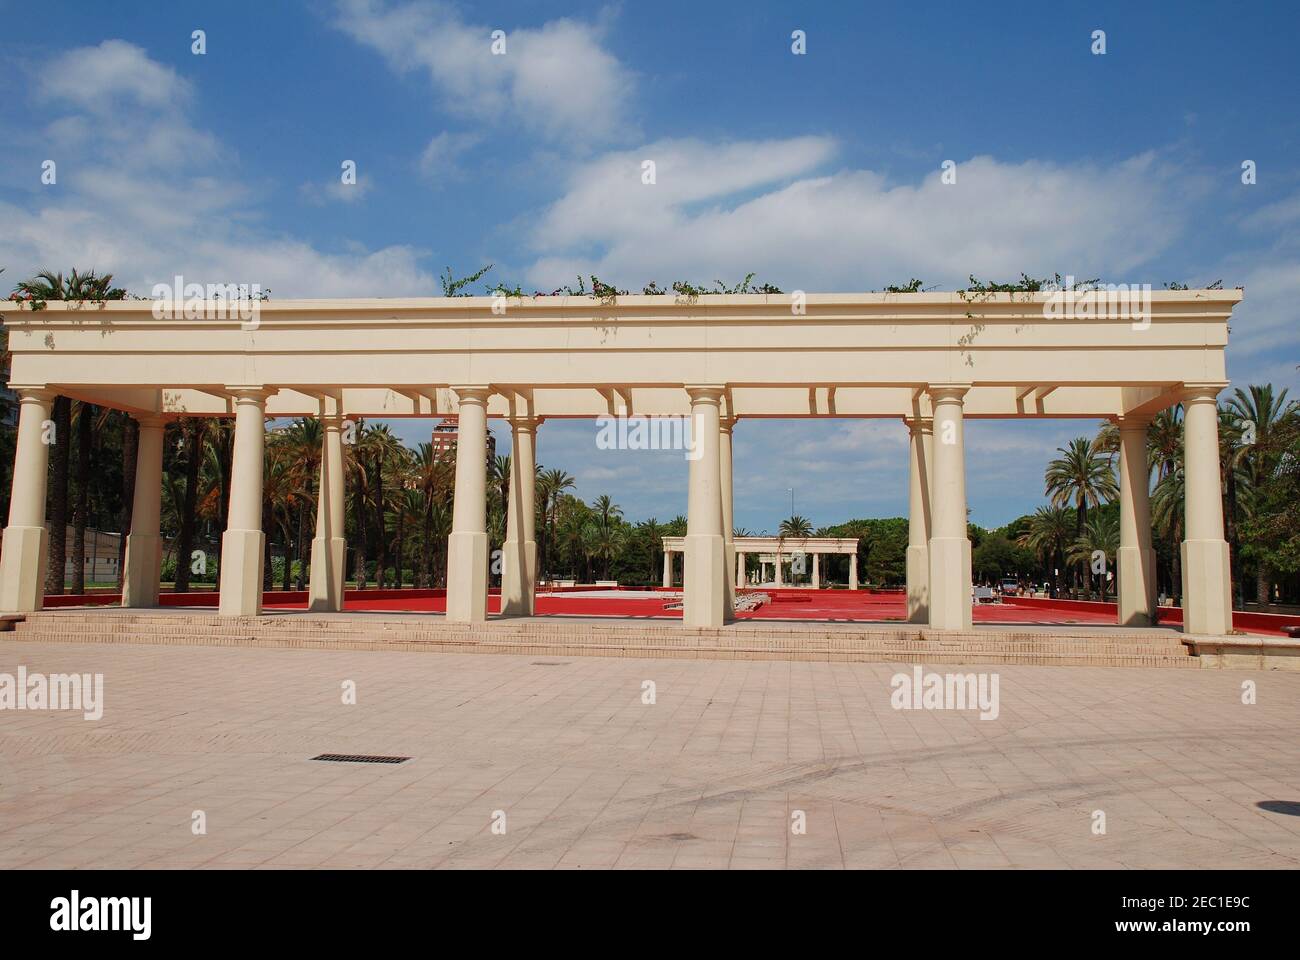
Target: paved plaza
<point x="564" y="754"/>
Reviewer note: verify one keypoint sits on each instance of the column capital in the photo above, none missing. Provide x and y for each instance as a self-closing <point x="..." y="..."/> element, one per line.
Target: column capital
<point x="1125" y="422"/>
<point x="947" y="392"/>
<point x="154" y="420"/>
<point x="727" y="424"/>
<point x="472" y="392"/>
<point x="250" y="394"/>
<point x="1201" y="392"/>
<point x="35" y="394"/>
<point x="705" y="393"/>
<point x="919" y="424"/>
<point x="524" y="424"/>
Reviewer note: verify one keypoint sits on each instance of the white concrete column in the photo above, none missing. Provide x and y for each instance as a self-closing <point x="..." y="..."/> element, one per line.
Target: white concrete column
<point x="950" y="551"/>
<point x="740" y="568"/>
<point x="817" y="571"/>
<point x="668" y="568"/>
<point x="467" y="547"/>
<point x="243" y="544"/>
<point x="1135" y="559"/>
<point x="853" y="571"/>
<point x="329" y="546"/>
<point x="776" y="571"/>
<point x="519" y="563"/>
<point x="1207" y="580"/>
<point x="705" y="577"/>
<point x="725" y="426"/>
<point x="22" y="556"/>
<point x="142" y="567"/>
<point x="921" y="444"/>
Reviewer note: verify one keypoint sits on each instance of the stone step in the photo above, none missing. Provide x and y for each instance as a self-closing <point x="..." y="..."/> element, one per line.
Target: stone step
<point x="866" y="654"/>
<point x="543" y="626"/>
<point x="296" y="631"/>
<point x="909" y="645"/>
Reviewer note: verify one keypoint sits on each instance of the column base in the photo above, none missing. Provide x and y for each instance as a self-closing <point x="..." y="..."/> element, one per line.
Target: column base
<point x="704" y="580"/>
<point x="467" y="577"/>
<point x="519" y="578"/>
<point x="328" y="576"/>
<point x="1207" y="587"/>
<point x="950" y="593"/>
<point x="918" y="584"/>
<point x="143" y="570"/>
<point x="242" y="556"/>
<point x="1136" y="576"/>
<point x="22" y="569"/>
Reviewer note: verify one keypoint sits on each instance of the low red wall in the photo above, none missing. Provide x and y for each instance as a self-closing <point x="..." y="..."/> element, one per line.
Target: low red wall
<point x="209" y="598"/>
<point x="1241" y="620"/>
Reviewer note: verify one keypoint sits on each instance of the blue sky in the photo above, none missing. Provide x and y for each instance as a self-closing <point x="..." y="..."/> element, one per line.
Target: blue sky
<point x="819" y="171"/>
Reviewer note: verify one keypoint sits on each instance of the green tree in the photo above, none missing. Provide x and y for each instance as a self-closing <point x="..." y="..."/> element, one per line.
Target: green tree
<point x="1082" y="475"/>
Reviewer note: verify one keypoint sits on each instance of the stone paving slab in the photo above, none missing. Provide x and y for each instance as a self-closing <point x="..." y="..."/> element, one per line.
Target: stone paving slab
<point x="588" y="776"/>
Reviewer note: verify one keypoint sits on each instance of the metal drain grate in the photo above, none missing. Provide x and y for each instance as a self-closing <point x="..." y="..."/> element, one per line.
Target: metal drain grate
<point x="358" y="758"/>
<point x="550" y="663"/>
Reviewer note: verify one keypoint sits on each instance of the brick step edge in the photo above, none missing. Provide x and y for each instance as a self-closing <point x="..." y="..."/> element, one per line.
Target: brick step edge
<point x="654" y="651"/>
<point x="243" y="625"/>
<point x="471" y="635"/>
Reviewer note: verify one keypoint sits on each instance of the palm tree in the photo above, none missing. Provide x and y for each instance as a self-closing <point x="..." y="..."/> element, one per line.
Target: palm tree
<point x="409" y="510"/>
<point x="551" y="484"/>
<point x="360" y="495"/>
<point x="191" y="433"/>
<point x="793" y="528"/>
<point x="1081" y="474"/>
<point x="1101" y="535"/>
<point x="1050" y="531"/>
<point x="610" y="536"/>
<point x="1167" y="519"/>
<point x="654" y="536"/>
<point x="1259" y="411"/>
<point x="384" y="450"/>
<point x="85" y="419"/>
<point x="796" y="527"/>
<point x="48" y="285"/>
<point x="298" y="444"/>
<point x="499" y="480"/>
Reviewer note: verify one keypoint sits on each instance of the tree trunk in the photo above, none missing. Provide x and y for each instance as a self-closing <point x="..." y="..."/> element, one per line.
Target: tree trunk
<point x="225" y="447"/>
<point x="58" y="546"/>
<point x="1263" y="584"/>
<point x="286" y="576"/>
<point x="1175" y="574"/>
<point x="130" y="447"/>
<point x="302" y="532"/>
<point x="430" y="554"/>
<point x="381" y="569"/>
<point x="81" y="506"/>
<point x="268" y="524"/>
<point x="398" y="545"/>
<point x="193" y="432"/>
<point x="1234" y="548"/>
<point x="359" y="554"/>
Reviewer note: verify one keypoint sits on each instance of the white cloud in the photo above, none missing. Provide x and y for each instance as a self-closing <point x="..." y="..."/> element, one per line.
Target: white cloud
<point x="441" y="157"/>
<point x="98" y="78"/>
<point x="334" y="191"/>
<point x="1279" y="214"/>
<point x="148" y="195"/>
<point x="723" y="209"/>
<point x="556" y="80"/>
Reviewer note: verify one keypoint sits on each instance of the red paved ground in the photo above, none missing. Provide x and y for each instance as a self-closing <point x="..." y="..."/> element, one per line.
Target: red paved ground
<point x="802" y="605"/>
<point x="822" y="605"/>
